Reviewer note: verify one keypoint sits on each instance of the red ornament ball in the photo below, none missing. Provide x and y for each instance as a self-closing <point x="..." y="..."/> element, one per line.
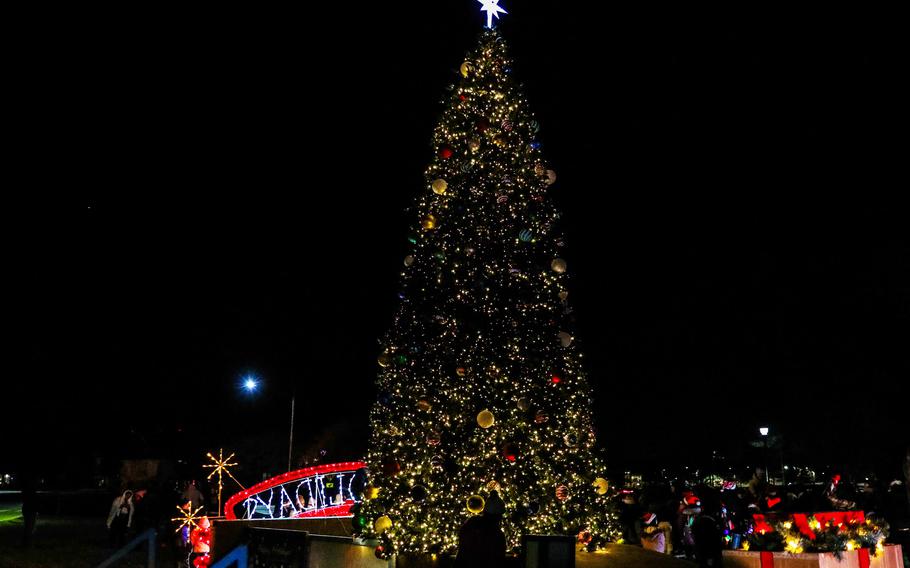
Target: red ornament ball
<point x="562" y="492"/>
<point x="555" y="380"/>
<point x="390" y="467"/>
<point x="445" y="153"/>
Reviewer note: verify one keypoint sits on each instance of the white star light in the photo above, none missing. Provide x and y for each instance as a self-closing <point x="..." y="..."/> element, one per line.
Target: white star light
<point x="492" y="8"/>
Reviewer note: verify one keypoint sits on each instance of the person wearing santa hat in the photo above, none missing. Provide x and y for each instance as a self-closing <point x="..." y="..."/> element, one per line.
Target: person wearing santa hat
<point x="654" y="535"/>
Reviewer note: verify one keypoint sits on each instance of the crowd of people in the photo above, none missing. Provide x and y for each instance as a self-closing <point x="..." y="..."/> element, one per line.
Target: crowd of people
<point x="689" y="521"/>
<point x="697" y="522"/>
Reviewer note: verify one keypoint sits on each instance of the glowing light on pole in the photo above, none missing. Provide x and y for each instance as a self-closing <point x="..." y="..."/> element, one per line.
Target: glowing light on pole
<point x="492" y="8"/>
<point x="220" y="466"/>
<point x="764" y="433"/>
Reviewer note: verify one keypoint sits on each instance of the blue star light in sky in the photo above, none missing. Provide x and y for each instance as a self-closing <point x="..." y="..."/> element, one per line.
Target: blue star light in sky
<point x="492" y="8"/>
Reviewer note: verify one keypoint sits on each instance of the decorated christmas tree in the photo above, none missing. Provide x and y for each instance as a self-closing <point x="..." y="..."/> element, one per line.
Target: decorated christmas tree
<point x="481" y="385"/>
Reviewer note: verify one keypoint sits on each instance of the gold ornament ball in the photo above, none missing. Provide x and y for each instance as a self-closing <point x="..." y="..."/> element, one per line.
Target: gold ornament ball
<point x="601" y="486"/>
<point x="409" y="260"/>
<point x="382" y="524"/>
<point x="558" y="265"/>
<point x="551" y="177"/>
<point x="424" y="404"/>
<point x="428" y="222"/>
<point x="461" y="371"/>
<point x="565" y="338"/>
<point x="563" y="294"/>
<point x="540" y="170"/>
<point x="370" y="492"/>
<point x="485" y="418"/>
<point x="439" y="186"/>
<point x="466" y="68"/>
<point x="475" y="504"/>
<point x="385" y="360"/>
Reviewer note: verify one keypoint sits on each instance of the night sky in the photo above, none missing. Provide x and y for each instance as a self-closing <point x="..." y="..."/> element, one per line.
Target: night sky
<point x="222" y="192"/>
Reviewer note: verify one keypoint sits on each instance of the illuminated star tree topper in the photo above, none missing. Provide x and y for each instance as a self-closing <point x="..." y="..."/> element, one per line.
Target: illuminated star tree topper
<point x="220" y="466"/>
<point x="493" y="9"/>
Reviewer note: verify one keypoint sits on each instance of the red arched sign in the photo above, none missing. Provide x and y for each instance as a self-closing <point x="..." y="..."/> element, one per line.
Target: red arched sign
<point x="321" y="491"/>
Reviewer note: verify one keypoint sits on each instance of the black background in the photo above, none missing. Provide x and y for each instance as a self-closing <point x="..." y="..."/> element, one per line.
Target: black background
<point x="218" y="191"/>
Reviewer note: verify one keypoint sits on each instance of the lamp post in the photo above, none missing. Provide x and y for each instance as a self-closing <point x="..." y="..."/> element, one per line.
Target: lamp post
<point x="291" y="436"/>
<point x="251" y="385"/>
<point x="764" y="435"/>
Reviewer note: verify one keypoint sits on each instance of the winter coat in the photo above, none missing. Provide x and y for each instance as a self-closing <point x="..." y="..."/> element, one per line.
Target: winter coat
<point x="120" y="502"/>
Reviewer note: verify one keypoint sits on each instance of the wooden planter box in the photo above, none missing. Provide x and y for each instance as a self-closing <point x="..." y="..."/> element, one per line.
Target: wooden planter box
<point x="891" y="557"/>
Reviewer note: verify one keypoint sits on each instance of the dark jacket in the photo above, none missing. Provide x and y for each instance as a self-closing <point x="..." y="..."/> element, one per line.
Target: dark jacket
<point x="481" y="543"/>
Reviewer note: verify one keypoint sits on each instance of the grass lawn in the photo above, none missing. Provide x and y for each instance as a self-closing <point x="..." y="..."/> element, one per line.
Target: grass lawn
<point x="10" y="512"/>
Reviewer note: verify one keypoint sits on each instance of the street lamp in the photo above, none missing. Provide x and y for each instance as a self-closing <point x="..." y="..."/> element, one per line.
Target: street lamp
<point x="251" y="385"/>
<point x="763" y="430"/>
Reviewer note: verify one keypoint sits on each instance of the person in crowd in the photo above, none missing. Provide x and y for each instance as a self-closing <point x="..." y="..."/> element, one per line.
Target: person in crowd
<point x="758" y="485"/>
<point x="706" y="532"/>
<point x="120" y="518"/>
<point x="494" y="506"/>
<point x="835" y="493"/>
<point x="689" y="508"/>
<point x="630" y="518"/>
<point x="29" y="508"/>
<point x="732" y="514"/>
<point x="907" y="476"/>
<point x="141" y="513"/>
<point x="655" y="535"/>
<point x="481" y="543"/>
<point x="895" y="507"/>
<point x="192" y="495"/>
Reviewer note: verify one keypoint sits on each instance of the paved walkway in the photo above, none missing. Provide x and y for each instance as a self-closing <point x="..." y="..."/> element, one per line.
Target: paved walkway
<point x="624" y="556"/>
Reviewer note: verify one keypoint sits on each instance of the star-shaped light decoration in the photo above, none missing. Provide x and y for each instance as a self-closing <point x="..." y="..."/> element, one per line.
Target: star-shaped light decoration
<point x="220" y="466"/>
<point x="493" y="9"/>
<point x="188" y="517"/>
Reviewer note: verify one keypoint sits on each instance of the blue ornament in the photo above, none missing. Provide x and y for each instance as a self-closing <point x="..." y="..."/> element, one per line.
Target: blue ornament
<point x="535" y="145"/>
<point x="524" y="235"/>
<point x="506" y="69"/>
<point x="385" y="398"/>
